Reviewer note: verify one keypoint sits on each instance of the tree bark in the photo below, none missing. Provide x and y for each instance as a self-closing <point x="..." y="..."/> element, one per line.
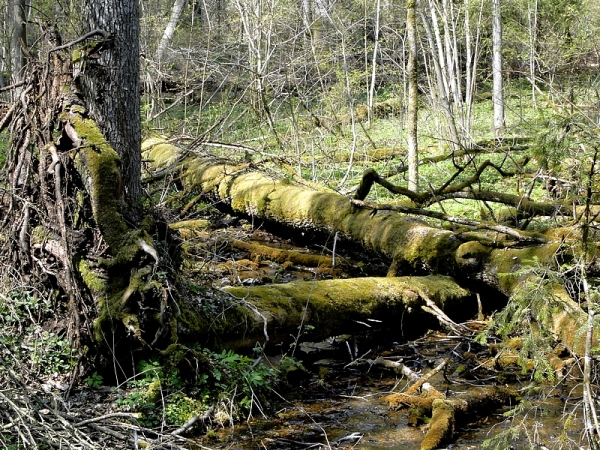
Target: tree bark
<point x="498" y="84"/>
<point x="170" y="29"/>
<point x="111" y="88"/>
<point x="18" y="38"/>
<point x="412" y="108"/>
<point x="392" y="305"/>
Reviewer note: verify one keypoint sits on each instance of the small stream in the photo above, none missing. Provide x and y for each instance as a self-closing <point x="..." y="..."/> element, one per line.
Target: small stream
<point x="339" y="407"/>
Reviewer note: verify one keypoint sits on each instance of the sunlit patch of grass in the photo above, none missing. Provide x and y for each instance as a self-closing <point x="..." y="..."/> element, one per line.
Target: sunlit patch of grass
<point x="322" y="153"/>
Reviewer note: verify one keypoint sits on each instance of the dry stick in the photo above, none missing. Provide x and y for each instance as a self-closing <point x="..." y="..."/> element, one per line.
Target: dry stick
<point x="12" y="86"/>
<point x="432" y="308"/>
<point x="418" y="381"/>
<point x="108" y="431"/>
<point x="61" y="417"/>
<point x="108" y="416"/>
<point x="104" y="34"/>
<point x="423" y="380"/>
<point x="7" y="117"/>
<point x="588" y="399"/>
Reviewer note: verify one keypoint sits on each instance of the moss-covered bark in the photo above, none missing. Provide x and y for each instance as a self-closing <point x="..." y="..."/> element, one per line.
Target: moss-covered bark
<point x="413" y="245"/>
<point x="125" y="274"/>
<point x="331" y="307"/>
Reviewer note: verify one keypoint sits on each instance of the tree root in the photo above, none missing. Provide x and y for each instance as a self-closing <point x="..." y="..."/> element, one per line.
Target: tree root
<point x="446" y="414"/>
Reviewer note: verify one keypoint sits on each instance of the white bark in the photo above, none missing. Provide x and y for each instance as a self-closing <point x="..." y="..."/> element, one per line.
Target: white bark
<point x="498" y="86"/>
<point x="412" y="107"/>
<point x="371" y="95"/>
<point x="170" y="29"/>
<point x="532" y="19"/>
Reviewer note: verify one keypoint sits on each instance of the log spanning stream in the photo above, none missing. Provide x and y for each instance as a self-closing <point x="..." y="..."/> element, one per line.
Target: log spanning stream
<point x="345" y="399"/>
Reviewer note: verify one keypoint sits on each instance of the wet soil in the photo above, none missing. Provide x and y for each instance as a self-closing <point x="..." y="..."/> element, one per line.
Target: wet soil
<point x="337" y="405"/>
<point x="341" y="406"/>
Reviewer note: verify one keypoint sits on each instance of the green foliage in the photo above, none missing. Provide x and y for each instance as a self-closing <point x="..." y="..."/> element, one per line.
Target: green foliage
<point x="3" y="148"/>
<point x="162" y="395"/>
<point x="23" y="340"/>
<point x="241" y="378"/>
<point x="517" y="319"/>
<point x="94" y="380"/>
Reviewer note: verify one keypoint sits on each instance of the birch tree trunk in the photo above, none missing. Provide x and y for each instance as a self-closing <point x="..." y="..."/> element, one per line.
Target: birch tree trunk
<point x="498" y="87"/>
<point x="532" y="24"/>
<point x="170" y="29"/>
<point x="306" y="11"/>
<point x="111" y="86"/>
<point x="371" y="94"/>
<point x="412" y="108"/>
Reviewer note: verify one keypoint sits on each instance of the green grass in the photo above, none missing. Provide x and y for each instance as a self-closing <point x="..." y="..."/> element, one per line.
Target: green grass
<point x="322" y="153"/>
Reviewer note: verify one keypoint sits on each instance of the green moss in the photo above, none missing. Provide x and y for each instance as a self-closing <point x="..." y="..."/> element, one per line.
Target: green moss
<point x="93" y="282"/>
<point x="331" y="305"/>
<point x="512" y="265"/>
<point x="100" y="162"/>
<point x="40" y="235"/>
<point x="153" y="391"/>
<point x="441" y="426"/>
<point x="198" y="224"/>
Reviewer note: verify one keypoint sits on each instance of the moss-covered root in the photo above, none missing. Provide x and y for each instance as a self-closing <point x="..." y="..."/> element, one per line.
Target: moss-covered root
<point x="258" y="251"/>
<point x="441" y="427"/>
<point x="447" y="414"/>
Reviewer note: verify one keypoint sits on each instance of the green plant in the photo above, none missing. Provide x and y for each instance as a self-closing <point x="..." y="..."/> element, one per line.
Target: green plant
<point x="23" y="339"/>
<point x="94" y="380"/>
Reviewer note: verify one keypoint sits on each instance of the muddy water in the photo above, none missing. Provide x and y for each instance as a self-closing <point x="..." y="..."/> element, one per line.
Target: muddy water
<point x="343" y="408"/>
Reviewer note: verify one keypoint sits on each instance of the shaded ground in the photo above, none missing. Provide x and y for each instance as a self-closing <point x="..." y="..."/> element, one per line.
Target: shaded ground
<point x="342" y="407"/>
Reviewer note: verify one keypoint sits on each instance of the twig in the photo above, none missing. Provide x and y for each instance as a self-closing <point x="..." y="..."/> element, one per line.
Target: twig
<point x="108" y="416"/>
<point x="104" y="34"/>
<point x="432" y="308"/>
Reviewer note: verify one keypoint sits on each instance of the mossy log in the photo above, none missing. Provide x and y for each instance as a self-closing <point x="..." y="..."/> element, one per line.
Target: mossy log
<point x="413" y="245"/>
<point x="444" y="414"/>
<point x="259" y="251"/>
<point x="448" y="413"/>
<point x="332" y="307"/>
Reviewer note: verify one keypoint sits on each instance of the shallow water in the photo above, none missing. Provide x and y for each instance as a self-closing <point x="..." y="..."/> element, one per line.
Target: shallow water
<point x="346" y="411"/>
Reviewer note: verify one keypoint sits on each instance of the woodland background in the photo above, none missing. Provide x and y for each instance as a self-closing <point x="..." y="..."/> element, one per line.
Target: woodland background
<point x="468" y="128"/>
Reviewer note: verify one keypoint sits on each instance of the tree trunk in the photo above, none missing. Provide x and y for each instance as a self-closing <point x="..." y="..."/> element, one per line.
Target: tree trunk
<point x="170" y="29"/>
<point x="498" y="85"/>
<point x="18" y="38"/>
<point x="393" y="306"/>
<point x="413" y="246"/>
<point x="412" y="108"/>
<point x="111" y="88"/>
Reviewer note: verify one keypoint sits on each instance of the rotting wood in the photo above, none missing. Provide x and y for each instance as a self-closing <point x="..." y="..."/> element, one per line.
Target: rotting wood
<point x="447" y="413"/>
<point x="259" y="251"/>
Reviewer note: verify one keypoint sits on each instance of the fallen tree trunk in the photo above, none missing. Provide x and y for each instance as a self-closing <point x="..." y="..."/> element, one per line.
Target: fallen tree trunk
<point x="413" y="245"/>
<point x="320" y="309"/>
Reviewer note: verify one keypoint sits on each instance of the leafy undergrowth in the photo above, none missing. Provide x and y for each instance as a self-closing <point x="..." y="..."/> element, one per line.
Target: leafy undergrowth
<point x="41" y="405"/>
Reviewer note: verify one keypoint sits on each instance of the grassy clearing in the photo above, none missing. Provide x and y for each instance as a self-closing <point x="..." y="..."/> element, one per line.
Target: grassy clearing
<point x="330" y="149"/>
